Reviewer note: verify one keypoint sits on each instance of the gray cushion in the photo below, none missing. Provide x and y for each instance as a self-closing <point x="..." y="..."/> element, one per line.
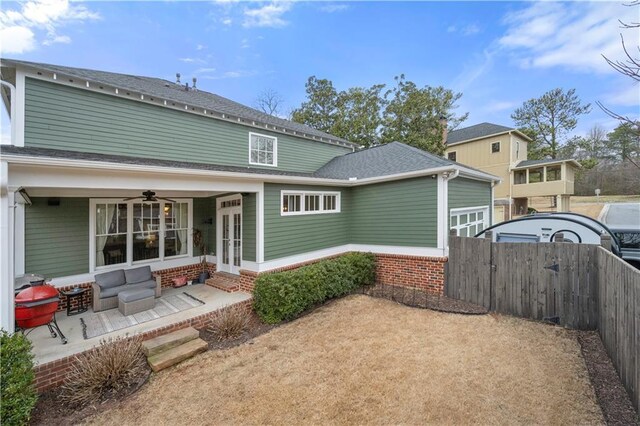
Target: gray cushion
<point x="138" y="275"/>
<point x="136" y="294"/>
<point x="110" y="279"/>
<point x="113" y="291"/>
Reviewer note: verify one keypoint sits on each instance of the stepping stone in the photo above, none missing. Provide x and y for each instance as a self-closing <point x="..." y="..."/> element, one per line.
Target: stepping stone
<point x="178" y="354"/>
<point x="165" y="342"/>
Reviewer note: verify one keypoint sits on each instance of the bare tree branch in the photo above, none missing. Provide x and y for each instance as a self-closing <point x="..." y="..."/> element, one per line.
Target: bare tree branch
<point x="269" y="101"/>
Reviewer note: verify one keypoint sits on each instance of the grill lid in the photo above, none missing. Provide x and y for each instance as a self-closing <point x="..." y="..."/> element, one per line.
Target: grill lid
<point x="33" y="294"/>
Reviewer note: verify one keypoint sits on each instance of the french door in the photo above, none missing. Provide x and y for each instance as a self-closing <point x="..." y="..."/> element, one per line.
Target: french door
<point x="229" y="254"/>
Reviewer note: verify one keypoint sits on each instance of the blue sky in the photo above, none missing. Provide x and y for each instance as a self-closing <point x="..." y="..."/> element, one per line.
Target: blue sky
<point x="498" y="54"/>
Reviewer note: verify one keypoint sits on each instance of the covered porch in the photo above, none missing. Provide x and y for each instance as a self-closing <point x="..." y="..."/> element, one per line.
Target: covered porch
<point x="69" y="220"/>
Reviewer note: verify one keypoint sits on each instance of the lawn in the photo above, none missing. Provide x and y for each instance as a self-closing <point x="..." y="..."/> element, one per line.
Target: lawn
<point x="364" y="360"/>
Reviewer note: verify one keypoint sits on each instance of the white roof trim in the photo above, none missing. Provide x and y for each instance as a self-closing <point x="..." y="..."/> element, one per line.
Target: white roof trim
<point x="527" y="138"/>
<point x="92" y="164"/>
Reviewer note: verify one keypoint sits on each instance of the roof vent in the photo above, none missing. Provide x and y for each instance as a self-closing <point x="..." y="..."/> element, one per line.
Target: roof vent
<point x="194" y="83"/>
<point x="177" y="78"/>
<point x="352" y="179"/>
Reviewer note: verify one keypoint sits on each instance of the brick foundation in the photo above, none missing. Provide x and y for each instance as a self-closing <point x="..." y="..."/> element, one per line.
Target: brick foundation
<point x="52" y="374"/>
<point x="425" y="273"/>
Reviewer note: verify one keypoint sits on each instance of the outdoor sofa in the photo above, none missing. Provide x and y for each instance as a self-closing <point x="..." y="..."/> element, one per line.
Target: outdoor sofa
<point x="108" y="284"/>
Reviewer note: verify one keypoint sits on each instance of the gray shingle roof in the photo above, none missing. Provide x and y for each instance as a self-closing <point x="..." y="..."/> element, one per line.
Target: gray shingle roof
<point x="175" y="92"/>
<point x="477" y="131"/>
<point x="123" y="159"/>
<point x="381" y="160"/>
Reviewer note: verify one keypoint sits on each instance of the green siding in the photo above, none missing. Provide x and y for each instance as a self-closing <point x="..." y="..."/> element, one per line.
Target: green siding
<point x="249" y="227"/>
<point x="57" y="237"/>
<point x="62" y="117"/>
<point x="469" y="193"/>
<point x="203" y="210"/>
<point x="290" y="235"/>
<point x="399" y="213"/>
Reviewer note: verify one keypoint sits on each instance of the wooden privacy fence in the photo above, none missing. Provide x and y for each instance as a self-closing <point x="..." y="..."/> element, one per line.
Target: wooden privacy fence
<point x="575" y="285"/>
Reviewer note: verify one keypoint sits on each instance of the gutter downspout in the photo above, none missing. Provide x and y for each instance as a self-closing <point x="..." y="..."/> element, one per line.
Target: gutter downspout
<point x="12" y="112"/>
<point x="443" y="209"/>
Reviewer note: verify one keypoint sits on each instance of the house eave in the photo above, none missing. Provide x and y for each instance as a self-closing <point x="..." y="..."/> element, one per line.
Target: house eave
<point x="514" y="131"/>
<point x="148" y="98"/>
<point x="256" y="177"/>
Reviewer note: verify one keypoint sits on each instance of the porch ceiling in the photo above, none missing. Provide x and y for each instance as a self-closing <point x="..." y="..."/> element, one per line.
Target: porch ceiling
<point x="114" y="193"/>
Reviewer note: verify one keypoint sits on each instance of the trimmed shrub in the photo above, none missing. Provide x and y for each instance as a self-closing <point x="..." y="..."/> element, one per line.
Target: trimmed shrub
<point x="115" y="365"/>
<point x="16" y="384"/>
<point x="284" y="295"/>
<point x="230" y="323"/>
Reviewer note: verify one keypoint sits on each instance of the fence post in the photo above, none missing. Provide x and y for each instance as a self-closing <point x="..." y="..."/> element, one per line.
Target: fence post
<point x="488" y="235"/>
<point x="452" y="233"/>
<point x="605" y="241"/>
<point x="559" y="238"/>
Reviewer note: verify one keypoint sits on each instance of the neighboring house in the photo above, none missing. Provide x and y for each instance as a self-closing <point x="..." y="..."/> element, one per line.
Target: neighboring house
<point x="502" y="151"/>
<point x="266" y="193"/>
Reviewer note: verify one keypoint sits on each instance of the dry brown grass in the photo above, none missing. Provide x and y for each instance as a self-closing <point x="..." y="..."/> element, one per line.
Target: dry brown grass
<point x="362" y="360"/>
<point x="588" y="209"/>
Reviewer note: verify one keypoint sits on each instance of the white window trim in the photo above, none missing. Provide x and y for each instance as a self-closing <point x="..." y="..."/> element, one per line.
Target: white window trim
<point x="275" y="149"/>
<point x="302" y="195"/>
<point x="464" y="210"/>
<point x="161" y="258"/>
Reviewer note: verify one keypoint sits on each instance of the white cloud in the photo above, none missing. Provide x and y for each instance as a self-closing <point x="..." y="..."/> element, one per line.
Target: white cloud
<point x="497" y="106"/>
<point x="227" y="21"/>
<point x="204" y="70"/>
<point x="470" y="29"/>
<point x="57" y="39"/>
<point x="201" y="47"/>
<point x="572" y="35"/>
<point x="451" y="29"/>
<point x="629" y="96"/>
<point x="332" y="8"/>
<point x="192" y="60"/>
<point x="44" y="17"/>
<point x="16" y="39"/>
<point x="270" y="15"/>
<point x="244" y="44"/>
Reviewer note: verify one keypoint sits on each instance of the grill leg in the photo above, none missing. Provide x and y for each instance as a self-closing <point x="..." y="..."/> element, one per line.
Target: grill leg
<point x="54" y="324"/>
<point x="52" y="331"/>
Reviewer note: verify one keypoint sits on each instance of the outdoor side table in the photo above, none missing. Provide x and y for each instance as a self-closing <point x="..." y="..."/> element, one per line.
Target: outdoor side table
<point x="73" y="294"/>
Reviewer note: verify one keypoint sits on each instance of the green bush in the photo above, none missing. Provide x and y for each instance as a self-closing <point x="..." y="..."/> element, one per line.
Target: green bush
<point x="16" y="384"/>
<point x="284" y="295"/>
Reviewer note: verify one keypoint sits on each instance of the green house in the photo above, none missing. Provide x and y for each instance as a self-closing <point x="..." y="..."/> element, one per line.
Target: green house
<point x="264" y="192"/>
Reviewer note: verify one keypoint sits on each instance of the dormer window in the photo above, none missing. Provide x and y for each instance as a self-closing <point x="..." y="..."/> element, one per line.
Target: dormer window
<point x="263" y="150"/>
<point x="495" y="147"/>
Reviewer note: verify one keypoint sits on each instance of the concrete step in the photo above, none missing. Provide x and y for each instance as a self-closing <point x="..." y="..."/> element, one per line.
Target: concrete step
<point x="165" y="342"/>
<point x="225" y="282"/>
<point x="178" y="354"/>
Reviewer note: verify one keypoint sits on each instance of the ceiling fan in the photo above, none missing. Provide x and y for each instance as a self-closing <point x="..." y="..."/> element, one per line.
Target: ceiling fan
<point x="149" y="196"/>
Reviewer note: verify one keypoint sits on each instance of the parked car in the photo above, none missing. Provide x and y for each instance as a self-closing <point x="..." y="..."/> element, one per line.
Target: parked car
<point x="545" y="227"/>
<point x="629" y="240"/>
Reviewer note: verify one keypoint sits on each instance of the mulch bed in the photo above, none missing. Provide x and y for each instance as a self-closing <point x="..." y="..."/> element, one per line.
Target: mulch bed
<point x="612" y="397"/>
<point x="51" y="410"/>
<point x="421" y="299"/>
<point x="256" y="328"/>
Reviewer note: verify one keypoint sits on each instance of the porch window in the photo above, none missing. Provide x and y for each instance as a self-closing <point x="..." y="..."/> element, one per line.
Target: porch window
<point x="111" y="234"/>
<point x="176" y="227"/>
<point x="291" y="203"/>
<point x="312" y="203"/>
<point x="309" y="202"/>
<point x="535" y="175"/>
<point x="520" y="177"/>
<point x="330" y="202"/>
<point x="124" y="233"/>
<point x="263" y="150"/>
<point x="553" y="173"/>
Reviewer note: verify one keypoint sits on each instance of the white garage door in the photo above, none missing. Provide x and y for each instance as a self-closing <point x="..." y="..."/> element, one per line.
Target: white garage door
<point x="469" y="221"/>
